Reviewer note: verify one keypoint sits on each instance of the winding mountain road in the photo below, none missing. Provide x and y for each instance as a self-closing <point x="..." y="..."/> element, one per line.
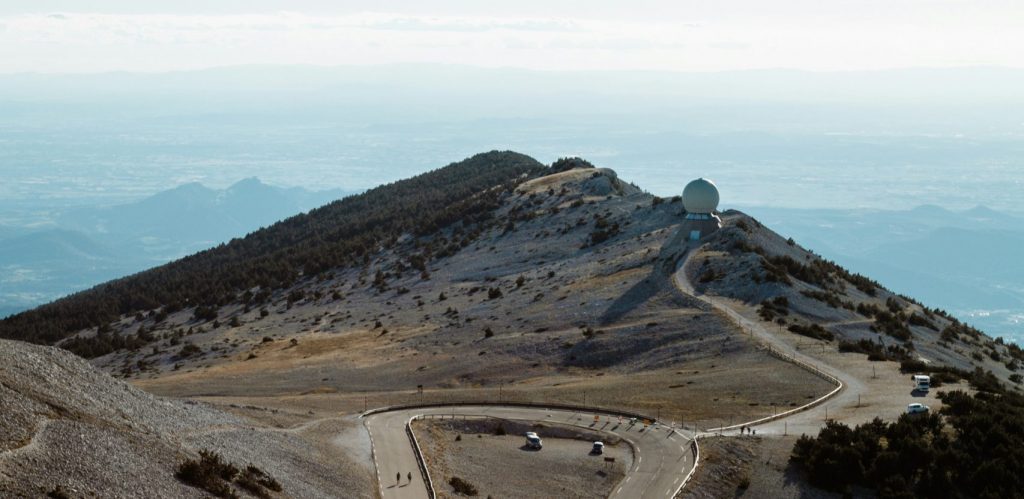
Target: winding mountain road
<point x="662" y="456"/>
<point x="803" y="419"/>
<point x="663" y="459"/>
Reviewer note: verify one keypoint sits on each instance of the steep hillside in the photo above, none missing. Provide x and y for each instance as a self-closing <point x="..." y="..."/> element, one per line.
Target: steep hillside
<point x="808" y="295"/>
<point x="67" y="427"/>
<point x="561" y="293"/>
<point x="544" y="276"/>
<point x="346" y="232"/>
<point x="492" y="279"/>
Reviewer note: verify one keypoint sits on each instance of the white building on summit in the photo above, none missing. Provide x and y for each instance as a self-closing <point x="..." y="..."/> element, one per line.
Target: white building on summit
<point x="700" y="199"/>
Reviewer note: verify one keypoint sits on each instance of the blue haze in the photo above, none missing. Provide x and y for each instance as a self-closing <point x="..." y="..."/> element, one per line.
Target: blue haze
<point x="839" y="161"/>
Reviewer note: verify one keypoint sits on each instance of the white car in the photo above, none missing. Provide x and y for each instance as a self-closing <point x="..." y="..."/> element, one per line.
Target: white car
<point x="916" y="408"/>
<point x="533" y="441"/>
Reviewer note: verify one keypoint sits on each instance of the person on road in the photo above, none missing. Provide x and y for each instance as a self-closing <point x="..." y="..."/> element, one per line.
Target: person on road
<point x="410" y="477"/>
<point x="398" y="477"/>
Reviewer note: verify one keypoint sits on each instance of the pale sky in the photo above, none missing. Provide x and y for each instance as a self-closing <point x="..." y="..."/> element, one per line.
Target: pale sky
<point x="682" y="35"/>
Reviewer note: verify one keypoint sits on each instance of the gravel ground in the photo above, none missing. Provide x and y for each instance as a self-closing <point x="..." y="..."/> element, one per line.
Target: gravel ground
<point x="65" y="424"/>
<point x="725" y="467"/>
<point x="563" y="468"/>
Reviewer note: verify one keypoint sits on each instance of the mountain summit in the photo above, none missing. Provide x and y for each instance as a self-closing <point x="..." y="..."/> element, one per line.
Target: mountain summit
<point x="500" y="279"/>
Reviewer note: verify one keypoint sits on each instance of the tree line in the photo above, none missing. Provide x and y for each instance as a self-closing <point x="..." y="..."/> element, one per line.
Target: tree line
<point x="343" y="233"/>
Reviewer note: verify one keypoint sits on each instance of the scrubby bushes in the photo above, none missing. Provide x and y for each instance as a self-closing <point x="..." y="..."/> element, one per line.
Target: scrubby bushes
<point x="830" y="298"/>
<point x="776" y="307"/>
<point x="215" y="475"/>
<point x="462" y="487"/>
<point x="917" y="457"/>
<point x="874" y="351"/>
<point x="812" y="331"/>
<point x="892" y="325"/>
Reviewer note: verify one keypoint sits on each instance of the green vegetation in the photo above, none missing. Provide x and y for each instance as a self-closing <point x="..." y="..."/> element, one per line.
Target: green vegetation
<point x="830" y="298"/>
<point x="875" y="351"/>
<point x="812" y="331"/>
<point x="972" y="448"/>
<point x="776" y="307"/>
<point x="344" y="233"/>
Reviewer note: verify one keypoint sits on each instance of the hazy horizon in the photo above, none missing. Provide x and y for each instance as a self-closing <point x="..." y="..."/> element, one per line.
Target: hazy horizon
<point x="859" y="108"/>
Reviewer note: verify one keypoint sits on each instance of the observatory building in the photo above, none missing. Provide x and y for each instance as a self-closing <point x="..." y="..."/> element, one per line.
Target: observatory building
<point x="700" y="199"/>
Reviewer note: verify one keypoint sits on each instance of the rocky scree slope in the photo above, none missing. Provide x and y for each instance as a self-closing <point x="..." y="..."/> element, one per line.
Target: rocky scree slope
<point x="66" y="426"/>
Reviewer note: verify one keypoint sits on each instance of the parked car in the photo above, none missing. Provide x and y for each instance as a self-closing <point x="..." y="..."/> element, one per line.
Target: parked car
<point x="598" y="448"/>
<point x="917" y="408"/>
<point x="533" y="441"/>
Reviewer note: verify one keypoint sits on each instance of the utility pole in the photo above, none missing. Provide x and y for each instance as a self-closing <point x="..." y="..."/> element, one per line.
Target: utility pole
<point x="364" y="403"/>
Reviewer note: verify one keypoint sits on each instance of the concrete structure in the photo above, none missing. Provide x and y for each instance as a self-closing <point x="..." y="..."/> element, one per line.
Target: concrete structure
<point x="700" y="200"/>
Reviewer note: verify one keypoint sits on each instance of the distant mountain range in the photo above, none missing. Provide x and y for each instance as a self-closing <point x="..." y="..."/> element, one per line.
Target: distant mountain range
<point x="86" y="246"/>
<point x="967" y="262"/>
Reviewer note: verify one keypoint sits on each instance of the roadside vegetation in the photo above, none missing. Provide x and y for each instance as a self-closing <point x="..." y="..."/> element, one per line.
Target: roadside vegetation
<point x="972" y="447"/>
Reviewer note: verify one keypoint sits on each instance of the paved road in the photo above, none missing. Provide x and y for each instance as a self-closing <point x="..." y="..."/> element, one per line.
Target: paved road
<point x="662" y="456"/>
<point x="808" y="421"/>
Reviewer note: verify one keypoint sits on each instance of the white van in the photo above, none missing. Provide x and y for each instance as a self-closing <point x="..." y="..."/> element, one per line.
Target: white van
<point x="922" y="383"/>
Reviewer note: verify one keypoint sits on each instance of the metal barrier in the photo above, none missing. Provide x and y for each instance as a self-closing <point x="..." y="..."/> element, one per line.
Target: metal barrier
<point x="419" y="458"/>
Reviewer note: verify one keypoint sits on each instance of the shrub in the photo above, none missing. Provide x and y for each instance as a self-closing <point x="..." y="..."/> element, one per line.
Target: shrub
<point x="189" y="350"/>
<point x="462" y="487"/>
<point x="214" y="475"/>
<point x="812" y="331"/>
<point x="209" y="473"/>
<point x="257" y="482"/>
<point x="982" y="455"/>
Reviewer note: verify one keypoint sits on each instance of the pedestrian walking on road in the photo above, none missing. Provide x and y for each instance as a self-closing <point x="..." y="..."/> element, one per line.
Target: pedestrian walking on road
<point x="398" y="477"/>
<point x="410" y="477"/>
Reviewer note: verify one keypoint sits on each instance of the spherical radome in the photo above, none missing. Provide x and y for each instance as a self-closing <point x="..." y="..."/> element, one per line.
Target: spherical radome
<point x="700" y="196"/>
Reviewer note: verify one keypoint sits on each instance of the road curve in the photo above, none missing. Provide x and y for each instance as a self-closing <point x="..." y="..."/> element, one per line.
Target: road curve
<point x="806" y="420"/>
<point x="662" y="456"/>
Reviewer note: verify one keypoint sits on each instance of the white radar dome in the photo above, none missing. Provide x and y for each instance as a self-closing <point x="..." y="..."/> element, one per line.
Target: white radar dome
<point x="700" y="196"/>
